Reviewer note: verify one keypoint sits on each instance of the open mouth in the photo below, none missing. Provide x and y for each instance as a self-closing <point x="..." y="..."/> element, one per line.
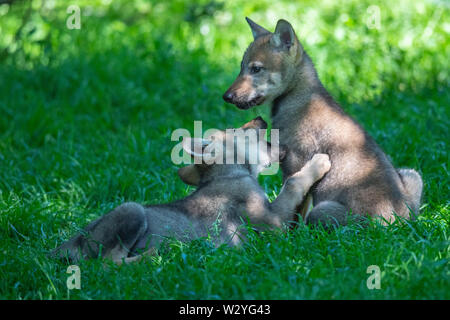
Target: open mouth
<point x="248" y="104"/>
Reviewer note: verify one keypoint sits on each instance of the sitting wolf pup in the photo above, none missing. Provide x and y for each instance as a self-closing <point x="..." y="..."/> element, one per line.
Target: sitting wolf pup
<point x="227" y="195"/>
<point x="275" y="69"/>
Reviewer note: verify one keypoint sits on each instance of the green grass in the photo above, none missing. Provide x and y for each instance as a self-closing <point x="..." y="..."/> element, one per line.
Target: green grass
<point x="87" y="115"/>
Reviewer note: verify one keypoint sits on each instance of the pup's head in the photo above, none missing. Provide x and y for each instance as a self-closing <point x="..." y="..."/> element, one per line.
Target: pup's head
<point x="228" y="152"/>
<point x="268" y="66"/>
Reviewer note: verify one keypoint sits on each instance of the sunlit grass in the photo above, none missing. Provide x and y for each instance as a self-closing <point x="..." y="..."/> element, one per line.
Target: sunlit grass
<point x="87" y="115"/>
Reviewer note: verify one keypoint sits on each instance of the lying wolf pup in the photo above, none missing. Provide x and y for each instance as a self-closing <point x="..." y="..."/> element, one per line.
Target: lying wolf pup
<point x="227" y="194"/>
<point x="276" y="69"/>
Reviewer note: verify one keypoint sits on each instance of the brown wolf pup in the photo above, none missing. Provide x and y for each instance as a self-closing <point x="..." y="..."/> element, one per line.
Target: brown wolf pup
<point x="275" y="69"/>
<point x="227" y="195"/>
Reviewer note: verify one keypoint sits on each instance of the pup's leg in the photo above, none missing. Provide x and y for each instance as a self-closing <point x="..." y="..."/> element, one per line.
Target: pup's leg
<point x="113" y="235"/>
<point x="304" y="209"/>
<point x="297" y="186"/>
<point x="327" y="213"/>
<point x="413" y="185"/>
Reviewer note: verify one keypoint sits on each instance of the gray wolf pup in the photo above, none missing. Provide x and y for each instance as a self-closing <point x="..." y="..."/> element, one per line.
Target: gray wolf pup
<point x="276" y="69"/>
<point x="227" y="195"/>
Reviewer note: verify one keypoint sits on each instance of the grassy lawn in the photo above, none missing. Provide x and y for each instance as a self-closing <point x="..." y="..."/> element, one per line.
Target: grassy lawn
<point x="86" y="118"/>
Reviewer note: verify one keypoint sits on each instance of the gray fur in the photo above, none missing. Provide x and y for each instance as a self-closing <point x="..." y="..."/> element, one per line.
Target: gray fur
<point x="227" y="195"/>
<point x="362" y="180"/>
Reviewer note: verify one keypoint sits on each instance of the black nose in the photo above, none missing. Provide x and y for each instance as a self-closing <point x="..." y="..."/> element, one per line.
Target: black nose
<point x="228" y="97"/>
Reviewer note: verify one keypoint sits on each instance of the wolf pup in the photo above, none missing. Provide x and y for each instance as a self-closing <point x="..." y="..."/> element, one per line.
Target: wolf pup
<point x="227" y="195"/>
<point x="275" y="69"/>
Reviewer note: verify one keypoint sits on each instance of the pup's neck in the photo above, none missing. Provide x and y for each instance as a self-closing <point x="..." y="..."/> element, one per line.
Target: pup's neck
<point x="303" y="85"/>
<point x="223" y="173"/>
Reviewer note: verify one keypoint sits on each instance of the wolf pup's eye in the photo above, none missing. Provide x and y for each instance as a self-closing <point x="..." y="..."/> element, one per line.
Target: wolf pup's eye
<point x="255" y="69"/>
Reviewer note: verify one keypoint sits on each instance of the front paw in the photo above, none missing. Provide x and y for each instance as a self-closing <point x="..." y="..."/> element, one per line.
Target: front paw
<point x="319" y="165"/>
<point x="313" y="170"/>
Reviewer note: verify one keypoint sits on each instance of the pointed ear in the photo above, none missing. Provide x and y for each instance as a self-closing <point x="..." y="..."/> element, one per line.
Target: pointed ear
<point x="257" y="123"/>
<point x="282" y="151"/>
<point x="284" y="36"/>
<point x="278" y="156"/>
<point x="195" y="146"/>
<point x="202" y="150"/>
<point x="257" y="30"/>
<point x="189" y="175"/>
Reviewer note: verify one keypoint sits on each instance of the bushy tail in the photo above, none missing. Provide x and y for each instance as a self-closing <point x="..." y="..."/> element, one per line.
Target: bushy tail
<point x="413" y="187"/>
